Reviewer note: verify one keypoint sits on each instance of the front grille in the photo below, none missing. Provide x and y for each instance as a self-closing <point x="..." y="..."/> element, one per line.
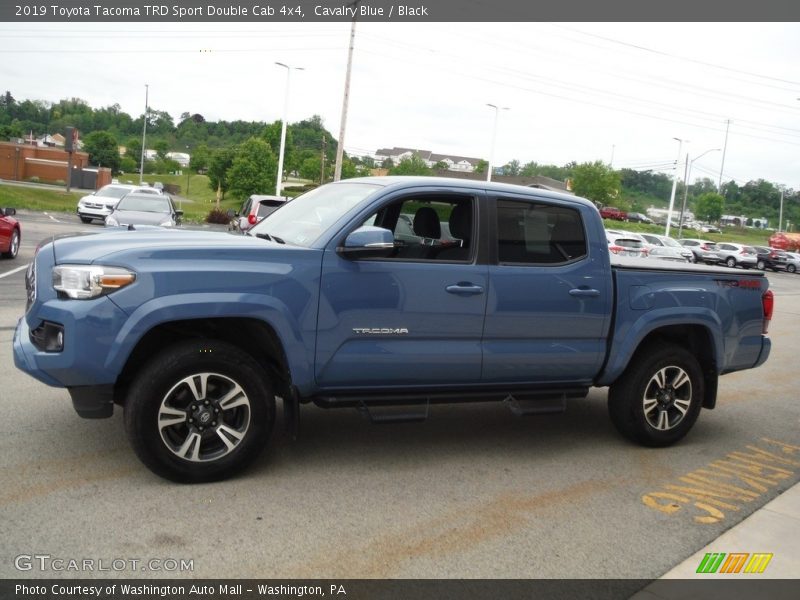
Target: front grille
<point x="30" y="284"/>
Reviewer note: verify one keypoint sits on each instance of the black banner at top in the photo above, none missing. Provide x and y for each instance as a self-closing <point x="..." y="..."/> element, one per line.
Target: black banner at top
<point x="198" y="11"/>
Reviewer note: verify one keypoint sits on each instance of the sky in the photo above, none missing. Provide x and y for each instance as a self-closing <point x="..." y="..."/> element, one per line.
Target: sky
<point x="615" y="92"/>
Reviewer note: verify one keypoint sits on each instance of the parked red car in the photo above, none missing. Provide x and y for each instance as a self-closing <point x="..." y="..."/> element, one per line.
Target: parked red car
<point x="10" y="234"/>
<point x="612" y="212"/>
<point x="785" y="241"/>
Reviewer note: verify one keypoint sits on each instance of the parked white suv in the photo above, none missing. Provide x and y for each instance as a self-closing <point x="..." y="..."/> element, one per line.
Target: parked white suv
<point x="100" y="204"/>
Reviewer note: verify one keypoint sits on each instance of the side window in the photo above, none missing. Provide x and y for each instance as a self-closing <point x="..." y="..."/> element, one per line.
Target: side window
<point x="534" y="233"/>
<point x="434" y="228"/>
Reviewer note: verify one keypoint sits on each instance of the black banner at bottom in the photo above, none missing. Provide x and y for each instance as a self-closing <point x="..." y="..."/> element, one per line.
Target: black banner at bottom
<point x="398" y="589"/>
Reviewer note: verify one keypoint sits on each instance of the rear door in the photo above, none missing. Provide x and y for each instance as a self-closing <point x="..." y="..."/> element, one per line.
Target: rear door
<point x="414" y="318"/>
<point x="550" y="292"/>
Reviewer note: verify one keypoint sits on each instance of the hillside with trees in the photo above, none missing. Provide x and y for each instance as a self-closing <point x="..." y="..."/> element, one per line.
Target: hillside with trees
<point x="228" y="150"/>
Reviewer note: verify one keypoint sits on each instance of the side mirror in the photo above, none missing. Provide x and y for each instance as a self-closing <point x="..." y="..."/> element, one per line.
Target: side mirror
<point x="8" y="212"/>
<point x="368" y="242"/>
<point x="179" y="213"/>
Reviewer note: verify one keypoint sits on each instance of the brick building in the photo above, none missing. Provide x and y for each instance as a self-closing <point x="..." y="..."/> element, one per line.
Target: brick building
<point x="22" y="162"/>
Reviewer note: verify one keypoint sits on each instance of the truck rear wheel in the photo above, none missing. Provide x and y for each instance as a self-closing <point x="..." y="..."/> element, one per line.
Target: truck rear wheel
<point x="199" y="411"/>
<point x="658" y="398"/>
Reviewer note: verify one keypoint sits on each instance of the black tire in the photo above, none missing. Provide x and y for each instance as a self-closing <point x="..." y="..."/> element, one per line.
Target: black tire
<point x="13" y="245"/>
<point x="654" y="414"/>
<point x="760" y="265"/>
<point x="196" y="382"/>
<point x="791" y="268"/>
<point x="731" y="262"/>
<point x="86" y="219"/>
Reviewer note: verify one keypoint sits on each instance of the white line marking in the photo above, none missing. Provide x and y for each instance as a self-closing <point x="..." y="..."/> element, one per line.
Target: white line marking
<point x="53" y="218"/>
<point x="17" y="270"/>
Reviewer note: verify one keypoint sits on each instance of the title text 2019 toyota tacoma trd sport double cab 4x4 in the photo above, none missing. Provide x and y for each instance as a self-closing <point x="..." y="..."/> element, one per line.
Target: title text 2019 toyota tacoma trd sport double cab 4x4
<point x="376" y="293"/>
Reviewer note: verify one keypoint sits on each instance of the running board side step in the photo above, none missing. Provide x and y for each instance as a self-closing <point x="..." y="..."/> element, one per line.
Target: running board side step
<point x="380" y="415"/>
<point x="536" y="405"/>
<point x="392" y="406"/>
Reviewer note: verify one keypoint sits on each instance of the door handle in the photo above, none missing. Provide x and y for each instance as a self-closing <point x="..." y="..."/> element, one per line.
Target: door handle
<point x="584" y="293"/>
<point x="464" y="289"/>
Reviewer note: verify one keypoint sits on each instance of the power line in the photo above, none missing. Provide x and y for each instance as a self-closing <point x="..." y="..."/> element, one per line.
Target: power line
<point x="679" y="57"/>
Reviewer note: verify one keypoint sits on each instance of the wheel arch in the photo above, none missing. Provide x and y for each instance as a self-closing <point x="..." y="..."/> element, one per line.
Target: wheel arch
<point x="254" y="336"/>
<point x="697" y="338"/>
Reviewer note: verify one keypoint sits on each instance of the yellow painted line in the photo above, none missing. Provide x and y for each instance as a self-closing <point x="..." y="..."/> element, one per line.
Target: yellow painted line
<point x="726" y="484"/>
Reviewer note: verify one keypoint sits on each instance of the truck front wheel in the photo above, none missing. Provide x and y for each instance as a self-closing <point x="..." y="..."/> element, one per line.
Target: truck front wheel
<point x="199" y="411"/>
<point x="658" y="398"/>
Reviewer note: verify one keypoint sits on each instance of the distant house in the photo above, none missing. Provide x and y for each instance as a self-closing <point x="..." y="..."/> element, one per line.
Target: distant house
<point x="47" y="140"/>
<point x="454" y="162"/>
<point x="182" y="158"/>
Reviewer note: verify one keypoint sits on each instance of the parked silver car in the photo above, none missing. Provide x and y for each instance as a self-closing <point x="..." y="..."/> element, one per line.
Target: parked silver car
<point x="792" y="262"/>
<point x="737" y="255"/>
<point x="145" y="209"/>
<point x="623" y="244"/>
<point x="703" y="250"/>
<point x="668" y="246"/>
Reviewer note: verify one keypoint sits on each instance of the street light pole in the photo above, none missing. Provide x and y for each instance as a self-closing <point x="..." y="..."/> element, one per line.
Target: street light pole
<point x="497" y="110"/>
<point x="674" y="186"/>
<point x="686" y="178"/>
<point x="188" y="172"/>
<point x="144" y="132"/>
<point x="283" y="126"/>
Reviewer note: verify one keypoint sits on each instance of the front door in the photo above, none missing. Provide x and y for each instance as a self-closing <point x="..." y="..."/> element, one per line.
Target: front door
<point x="414" y="318"/>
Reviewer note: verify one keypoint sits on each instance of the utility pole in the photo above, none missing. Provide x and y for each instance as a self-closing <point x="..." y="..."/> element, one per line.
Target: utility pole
<point x="322" y="162"/>
<point x="337" y="171"/>
<point x="780" y="217"/>
<point x="613" y="148"/>
<point x="685" y="194"/>
<point x="724" y="151"/>
<point x="497" y="110"/>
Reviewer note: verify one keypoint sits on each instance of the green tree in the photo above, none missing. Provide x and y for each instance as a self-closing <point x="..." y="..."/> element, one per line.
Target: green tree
<point x="512" y="168"/>
<point x="128" y="165"/>
<point x="161" y="147"/>
<point x="412" y="165"/>
<point x="218" y="165"/>
<point x="200" y="158"/>
<point x="349" y="169"/>
<point x="387" y="163"/>
<point x="103" y="149"/>
<point x="440" y="166"/>
<point x="253" y="170"/>
<point x="596" y="181"/>
<point x="708" y="206"/>
<point x="310" y="168"/>
<point x="481" y="166"/>
<point x="133" y="148"/>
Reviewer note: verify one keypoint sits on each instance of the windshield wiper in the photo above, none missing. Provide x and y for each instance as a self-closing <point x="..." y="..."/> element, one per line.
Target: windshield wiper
<point x="268" y="237"/>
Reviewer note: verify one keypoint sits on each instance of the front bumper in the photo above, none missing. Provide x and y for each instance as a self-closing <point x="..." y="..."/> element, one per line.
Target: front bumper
<point x="89" y="328"/>
<point x="93" y="212"/>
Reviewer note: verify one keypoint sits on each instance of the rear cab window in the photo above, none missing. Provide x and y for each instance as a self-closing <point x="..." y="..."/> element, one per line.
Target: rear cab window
<point x="537" y="233"/>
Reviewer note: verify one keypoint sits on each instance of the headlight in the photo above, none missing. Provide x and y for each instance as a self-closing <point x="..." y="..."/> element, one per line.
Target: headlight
<point x="90" y="281"/>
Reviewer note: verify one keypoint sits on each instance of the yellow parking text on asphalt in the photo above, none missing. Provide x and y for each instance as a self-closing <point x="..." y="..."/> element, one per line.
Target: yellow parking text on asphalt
<point x="726" y="485"/>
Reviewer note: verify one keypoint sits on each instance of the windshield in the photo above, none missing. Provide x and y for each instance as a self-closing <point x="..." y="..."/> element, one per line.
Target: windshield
<point x="112" y="192"/>
<point x="670" y="242"/>
<point x="303" y="220"/>
<point x="154" y="204"/>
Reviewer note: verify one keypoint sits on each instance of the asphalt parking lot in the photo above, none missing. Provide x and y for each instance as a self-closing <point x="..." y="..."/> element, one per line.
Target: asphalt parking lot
<point x="473" y="492"/>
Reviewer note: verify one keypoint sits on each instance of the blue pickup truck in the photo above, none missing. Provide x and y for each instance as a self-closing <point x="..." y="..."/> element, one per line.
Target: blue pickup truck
<point x="383" y="294"/>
